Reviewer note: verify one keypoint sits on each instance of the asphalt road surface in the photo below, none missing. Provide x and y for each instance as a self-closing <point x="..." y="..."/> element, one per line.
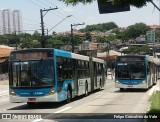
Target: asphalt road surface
<point x="103" y="105"/>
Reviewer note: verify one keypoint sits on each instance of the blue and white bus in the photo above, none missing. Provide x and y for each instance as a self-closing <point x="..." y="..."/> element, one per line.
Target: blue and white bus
<point x="136" y="71"/>
<point x="52" y="75"/>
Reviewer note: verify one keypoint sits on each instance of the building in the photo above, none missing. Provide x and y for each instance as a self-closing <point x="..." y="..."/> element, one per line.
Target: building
<point x="153" y="35"/>
<point x="7" y="21"/>
<point x="4" y="54"/>
<point x="1" y="23"/>
<point x="17" y="21"/>
<point x="10" y="21"/>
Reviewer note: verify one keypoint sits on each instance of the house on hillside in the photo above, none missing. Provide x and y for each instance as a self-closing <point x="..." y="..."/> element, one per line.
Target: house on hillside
<point x="4" y="55"/>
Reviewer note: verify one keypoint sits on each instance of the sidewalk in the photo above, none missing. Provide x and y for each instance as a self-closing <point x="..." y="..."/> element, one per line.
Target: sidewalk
<point x="158" y="85"/>
<point x="4" y="88"/>
<point x="109" y="76"/>
<point x="4" y="82"/>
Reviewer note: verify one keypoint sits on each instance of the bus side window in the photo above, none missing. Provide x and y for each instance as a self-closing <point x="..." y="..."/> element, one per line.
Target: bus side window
<point x="148" y="69"/>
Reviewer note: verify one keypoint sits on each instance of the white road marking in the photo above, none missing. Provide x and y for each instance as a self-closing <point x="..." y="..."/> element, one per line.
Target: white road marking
<point x="59" y="111"/>
<point x="67" y="108"/>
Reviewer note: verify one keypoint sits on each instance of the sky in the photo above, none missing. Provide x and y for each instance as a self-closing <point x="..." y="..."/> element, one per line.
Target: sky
<point x="89" y="14"/>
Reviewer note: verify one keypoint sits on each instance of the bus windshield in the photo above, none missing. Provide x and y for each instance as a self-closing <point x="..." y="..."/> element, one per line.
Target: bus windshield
<point x="130" y="70"/>
<point x="32" y="73"/>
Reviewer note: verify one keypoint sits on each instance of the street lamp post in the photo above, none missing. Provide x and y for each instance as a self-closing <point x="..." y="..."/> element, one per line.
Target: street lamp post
<point x="72" y="35"/>
<point x="59" y="22"/>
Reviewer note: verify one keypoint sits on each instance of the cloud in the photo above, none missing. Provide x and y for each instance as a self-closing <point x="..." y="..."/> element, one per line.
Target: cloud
<point x="68" y="9"/>
<point x="91" y="20"/>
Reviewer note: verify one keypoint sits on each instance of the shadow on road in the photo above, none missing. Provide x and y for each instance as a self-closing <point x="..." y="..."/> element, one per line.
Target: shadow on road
<point x="44" y="105"/>
<point x="132" y="90"/>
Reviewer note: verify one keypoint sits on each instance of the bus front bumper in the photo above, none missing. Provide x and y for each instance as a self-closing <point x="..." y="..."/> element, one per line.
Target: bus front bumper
<point x="47" y="98"/>
<point x="138" y="86"/>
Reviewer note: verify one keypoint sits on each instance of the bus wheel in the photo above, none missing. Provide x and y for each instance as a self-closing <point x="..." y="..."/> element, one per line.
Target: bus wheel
<point x="121" y="89"/>
<point x="31" y="104"/>
<point x="69" y="96"/>
<point x="86" y="89"/>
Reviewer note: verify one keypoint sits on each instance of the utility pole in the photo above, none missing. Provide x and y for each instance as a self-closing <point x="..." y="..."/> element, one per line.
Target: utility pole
<point x="43" y="41"/>
<point x="16" y="39"/>
<point x="72" y="43"/>
<point x="155" y="5"/>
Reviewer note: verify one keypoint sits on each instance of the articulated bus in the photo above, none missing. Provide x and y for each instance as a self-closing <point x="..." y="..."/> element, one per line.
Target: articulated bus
<point x="136" y="71"/>
<point x="52" y="75"/>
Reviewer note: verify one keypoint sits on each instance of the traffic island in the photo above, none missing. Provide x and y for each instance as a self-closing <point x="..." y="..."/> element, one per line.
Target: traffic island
<point x="155" y="106"/>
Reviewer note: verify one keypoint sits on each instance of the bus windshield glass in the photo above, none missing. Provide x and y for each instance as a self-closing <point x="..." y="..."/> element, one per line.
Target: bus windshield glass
<point x="130" y="70"/>
<point x="32" y="73"/>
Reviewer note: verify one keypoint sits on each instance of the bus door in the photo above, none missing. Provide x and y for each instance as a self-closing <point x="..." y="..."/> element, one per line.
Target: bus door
<point x="95" y="73"/>
<point x="75" y="76"/>
<point x="60" y="73"/>
<point x="149" y="73"/>
<point x="91" y="67"/>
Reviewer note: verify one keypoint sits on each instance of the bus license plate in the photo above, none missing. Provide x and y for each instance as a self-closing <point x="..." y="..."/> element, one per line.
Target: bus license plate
<point x="130" y="86"/>
<point x="31" y="99"/>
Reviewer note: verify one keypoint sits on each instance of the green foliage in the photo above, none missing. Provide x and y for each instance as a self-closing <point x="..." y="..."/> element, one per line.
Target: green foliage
<point x="136" y="30"/>
<point x="136" y="50"/>
<point x="25" y="40"/>
<point x="88" y="36"/>
<point x="155" y="104"/>
<point x="36" y="35"/>
<point x="136" y="3"/>
<point x="35" y="44"/>
<point x="111" y="37"/>
<point x="101" y="27"/>
<point x="101" y="39"/>
<point x="54" y="42"/>
<point x="77" y="40"/>
<point x="74" y="2"/>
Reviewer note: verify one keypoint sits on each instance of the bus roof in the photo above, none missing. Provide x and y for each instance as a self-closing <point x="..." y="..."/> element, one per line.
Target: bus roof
<point x="151" y="59"/>
<point x="31" y="49"/>
<point x="98" y="60"/>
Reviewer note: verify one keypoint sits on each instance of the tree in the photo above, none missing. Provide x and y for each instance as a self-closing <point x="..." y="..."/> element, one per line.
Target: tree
<point x="77" y="39"/>
<point x="101" y="39"/>
<point x="101" y="27"/>
<point x="55" y="42"/>
<point x="35" y="44"/>
<point x="136" y="30"/>
<point x="63" y="38"/>
<point x="36" y="35"/>
<point x="88" y="36"/>
<point x="111" y="37"/>
<point x="136" y="50"/>
<point x="136" y="3"/>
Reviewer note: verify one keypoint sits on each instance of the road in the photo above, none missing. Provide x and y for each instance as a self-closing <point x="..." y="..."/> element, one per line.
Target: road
<point x="97" y="104"/>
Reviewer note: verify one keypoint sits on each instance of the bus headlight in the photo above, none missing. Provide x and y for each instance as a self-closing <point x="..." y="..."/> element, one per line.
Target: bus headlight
<point x="52" y="91"/>
<point x="143" y="82"/>
<point x="117" y="81"/>
<point x="12" y="93"/>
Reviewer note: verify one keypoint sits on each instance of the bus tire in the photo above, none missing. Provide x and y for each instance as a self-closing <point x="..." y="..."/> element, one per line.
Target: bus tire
<point x="69" y="95"/>
<point x="121" y="89"/>
<point x="86" y="89"/>
<point x="31" y="104"/>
